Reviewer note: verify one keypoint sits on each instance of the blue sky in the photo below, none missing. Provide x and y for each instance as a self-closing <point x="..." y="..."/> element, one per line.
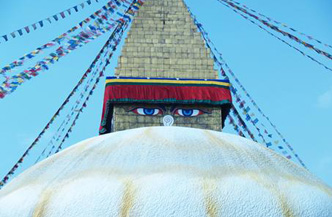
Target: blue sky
<point x="295" y="92"/>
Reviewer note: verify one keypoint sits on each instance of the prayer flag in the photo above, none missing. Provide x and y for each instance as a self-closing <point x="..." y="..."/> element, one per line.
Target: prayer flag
<point x="27" y="29"/>
<point x="269" y="144"/>
<point x="127" y="17"/>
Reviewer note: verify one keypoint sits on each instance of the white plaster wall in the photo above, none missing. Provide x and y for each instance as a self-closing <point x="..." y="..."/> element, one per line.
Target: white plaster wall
<point x="166" y="171"/>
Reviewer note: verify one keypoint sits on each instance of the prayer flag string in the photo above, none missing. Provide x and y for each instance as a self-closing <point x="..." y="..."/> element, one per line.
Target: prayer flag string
<point x="217" y="56"/>
<point x="135" y="5"/>
<point x="49" y="20"/>
<point x="110" y="49"/>
<point x="235" y="126"/>
<point x="235" y="115"/>
<point x="124" y="23"/>
<point x="247" y="116"/>
<point x="94" y="31"/>
<point x="241" y="103"/>
<point x="281" y="24"/>
<point x="102" y="13"/>
<point x="280" y="39"/>
<point x="57" y="113"/>
<point x="56" y="137"/>
<point x="275" y="28"/>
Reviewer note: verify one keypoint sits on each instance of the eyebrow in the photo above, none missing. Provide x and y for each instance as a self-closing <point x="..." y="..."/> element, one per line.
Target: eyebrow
<point x="180" y="107"/>
<point x="162" y="107"/>
<point x="173" y="107"/>
<point x="147" y="106"/>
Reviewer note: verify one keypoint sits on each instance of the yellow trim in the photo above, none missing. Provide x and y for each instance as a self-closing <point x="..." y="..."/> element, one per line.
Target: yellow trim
<point x="165" y="81"/>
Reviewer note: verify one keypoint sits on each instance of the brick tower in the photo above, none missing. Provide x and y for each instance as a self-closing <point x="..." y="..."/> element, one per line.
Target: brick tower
<point x="164" y="42"/>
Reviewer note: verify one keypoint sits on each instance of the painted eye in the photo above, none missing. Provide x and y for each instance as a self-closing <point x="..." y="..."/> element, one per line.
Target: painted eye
<point x="147" y="111"/>
<point x="188" y="112"/>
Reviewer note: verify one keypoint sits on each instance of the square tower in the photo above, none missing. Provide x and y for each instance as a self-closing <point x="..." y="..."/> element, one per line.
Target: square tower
<point x="164" y="42"/>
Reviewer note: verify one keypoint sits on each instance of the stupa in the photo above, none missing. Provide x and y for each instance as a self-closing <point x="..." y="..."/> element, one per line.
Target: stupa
<point x="163" y="152"/>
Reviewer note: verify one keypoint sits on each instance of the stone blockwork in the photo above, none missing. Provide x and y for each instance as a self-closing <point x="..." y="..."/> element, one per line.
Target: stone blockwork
<point x="125" y="119"/>
<point x="164" y="42"/>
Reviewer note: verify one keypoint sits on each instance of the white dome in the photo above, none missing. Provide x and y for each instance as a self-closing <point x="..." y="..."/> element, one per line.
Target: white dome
<point x="166" y="171"/>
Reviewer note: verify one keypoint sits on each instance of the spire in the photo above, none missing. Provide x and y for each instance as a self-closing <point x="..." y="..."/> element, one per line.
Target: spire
<point x="164" y="42"/>
<point x="163" y="75"/>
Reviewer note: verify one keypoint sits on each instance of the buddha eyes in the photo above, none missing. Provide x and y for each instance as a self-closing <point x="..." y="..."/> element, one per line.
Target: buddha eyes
<point x="147" y="111"/>
<point x="177" y="111"/>
<point x="188" y="112"/>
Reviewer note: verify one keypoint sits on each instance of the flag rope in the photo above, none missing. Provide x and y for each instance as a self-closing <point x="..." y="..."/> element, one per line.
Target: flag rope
<point x="64" y="124"/>
<point x="57" y="113"/>
<point x="235" y="126"/>
<point x="235" y="115"/>
<point x="275" y="28"/>
<point x="280" y="39"/>
<point x="11" y="83"/>
<point x="282" y="24"/>
<point x="101" y="13"/>
<point x="121" y="30"/>
<point x="63" y="14"/>
<point x="109" y="54"/>
<point x="217" y="56"/>
<point x="131" y="10"/>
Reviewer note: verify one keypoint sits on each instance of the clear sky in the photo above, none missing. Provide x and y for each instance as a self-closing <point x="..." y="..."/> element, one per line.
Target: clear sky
<point x="293" y="91"/>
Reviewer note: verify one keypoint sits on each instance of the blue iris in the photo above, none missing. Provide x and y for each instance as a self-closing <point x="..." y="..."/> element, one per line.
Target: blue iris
<point x="187" y="112"/>
<point x="149" y="111"/>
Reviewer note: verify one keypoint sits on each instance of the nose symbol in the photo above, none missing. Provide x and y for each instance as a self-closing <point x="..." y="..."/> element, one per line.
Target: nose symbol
<point x="168" y="120"/>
